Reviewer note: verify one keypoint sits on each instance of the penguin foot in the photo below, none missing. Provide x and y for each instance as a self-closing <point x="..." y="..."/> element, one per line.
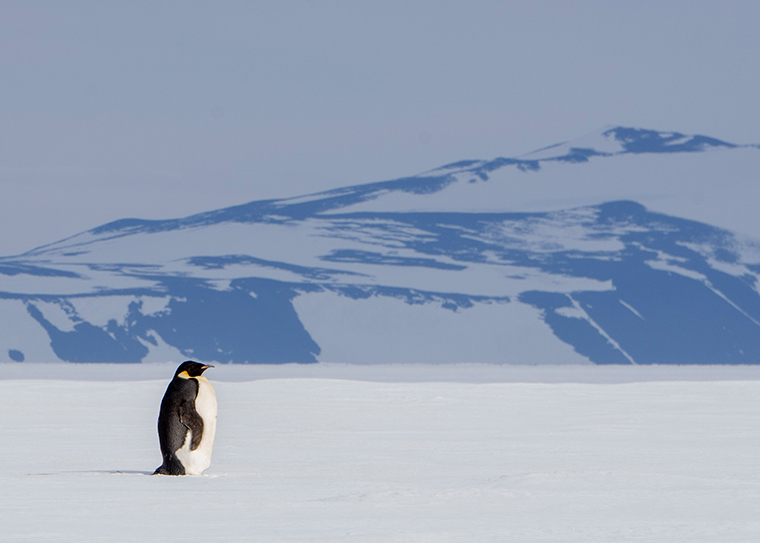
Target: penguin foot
<point x="172" y="467"/>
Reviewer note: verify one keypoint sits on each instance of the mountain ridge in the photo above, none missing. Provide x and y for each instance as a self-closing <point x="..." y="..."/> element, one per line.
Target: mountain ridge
<point x="628" y="140"/>
<point x="322" y="276"/>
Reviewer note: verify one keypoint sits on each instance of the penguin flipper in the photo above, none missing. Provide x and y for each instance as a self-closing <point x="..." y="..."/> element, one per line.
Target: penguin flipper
<point x="191" y="420"/>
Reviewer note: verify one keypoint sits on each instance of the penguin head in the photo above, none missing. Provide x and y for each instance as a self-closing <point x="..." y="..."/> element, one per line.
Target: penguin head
<point x="191" y="369"/>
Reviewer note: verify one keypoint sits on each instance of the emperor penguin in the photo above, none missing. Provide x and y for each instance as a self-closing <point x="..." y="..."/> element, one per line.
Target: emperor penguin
<point x="187" y="422"/>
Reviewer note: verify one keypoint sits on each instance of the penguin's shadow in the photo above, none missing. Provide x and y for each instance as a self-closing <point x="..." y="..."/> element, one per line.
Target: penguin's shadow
<point x="118" y="472"/>
<point x="100" y="472"/>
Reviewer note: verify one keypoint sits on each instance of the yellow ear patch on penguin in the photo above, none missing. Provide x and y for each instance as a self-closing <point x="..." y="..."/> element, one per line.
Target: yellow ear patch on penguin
<point x="184" y="375"/>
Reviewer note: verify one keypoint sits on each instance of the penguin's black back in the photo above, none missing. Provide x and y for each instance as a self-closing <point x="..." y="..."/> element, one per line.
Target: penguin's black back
<point x="176" y="416"/>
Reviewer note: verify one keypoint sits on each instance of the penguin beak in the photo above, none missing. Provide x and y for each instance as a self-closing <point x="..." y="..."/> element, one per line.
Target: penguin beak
<point x="205" y="367"/>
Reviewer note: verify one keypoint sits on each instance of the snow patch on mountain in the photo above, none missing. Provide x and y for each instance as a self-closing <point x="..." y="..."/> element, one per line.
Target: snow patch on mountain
<point x="617" y="248"/>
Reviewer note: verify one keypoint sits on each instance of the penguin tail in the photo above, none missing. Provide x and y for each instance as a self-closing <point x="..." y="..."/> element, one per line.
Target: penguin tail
<point x="171" y="466"/>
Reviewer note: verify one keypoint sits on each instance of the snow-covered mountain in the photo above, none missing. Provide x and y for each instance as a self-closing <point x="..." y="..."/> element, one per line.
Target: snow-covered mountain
<point x="625" y="246"/>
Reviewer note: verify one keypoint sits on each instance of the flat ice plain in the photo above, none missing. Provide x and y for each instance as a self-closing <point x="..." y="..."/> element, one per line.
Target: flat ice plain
<point x="330" y="453"/>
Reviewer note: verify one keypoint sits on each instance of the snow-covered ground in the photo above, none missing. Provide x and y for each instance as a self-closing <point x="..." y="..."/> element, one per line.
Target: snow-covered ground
<point x="388" y="453"/>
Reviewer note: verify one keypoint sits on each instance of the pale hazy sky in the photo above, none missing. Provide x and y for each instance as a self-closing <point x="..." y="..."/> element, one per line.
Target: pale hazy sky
<point x="162" y="109"/>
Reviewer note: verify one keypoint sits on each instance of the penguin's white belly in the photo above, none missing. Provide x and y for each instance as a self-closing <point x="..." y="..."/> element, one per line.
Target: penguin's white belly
<point x="197" y="461"/>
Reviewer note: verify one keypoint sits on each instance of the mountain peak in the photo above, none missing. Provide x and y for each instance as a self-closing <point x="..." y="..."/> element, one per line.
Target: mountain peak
<point x="618" y="140"/>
